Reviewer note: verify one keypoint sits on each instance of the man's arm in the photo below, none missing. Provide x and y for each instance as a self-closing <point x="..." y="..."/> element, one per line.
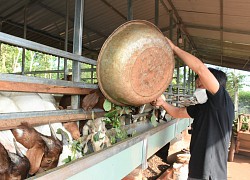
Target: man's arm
<point x="206" y="77"/>
<point x="173" y="111"/>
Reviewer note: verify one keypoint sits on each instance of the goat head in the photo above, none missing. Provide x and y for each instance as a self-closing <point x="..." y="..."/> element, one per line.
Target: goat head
<point x="13" y="166"/>
<point x="43" y="151"/>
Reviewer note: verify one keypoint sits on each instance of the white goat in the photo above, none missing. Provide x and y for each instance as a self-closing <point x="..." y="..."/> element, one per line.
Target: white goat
<point x="95" y="132"/>
<point x="6" y="137"/>
<point x="24" y="102"/>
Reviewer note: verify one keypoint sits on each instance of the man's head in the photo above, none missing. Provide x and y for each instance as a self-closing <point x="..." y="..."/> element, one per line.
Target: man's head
<point x="218" y="74"/>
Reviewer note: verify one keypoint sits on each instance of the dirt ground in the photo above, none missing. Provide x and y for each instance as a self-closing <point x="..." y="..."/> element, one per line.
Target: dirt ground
<point x="237" y="170"/>
<point x="156" y="167"/>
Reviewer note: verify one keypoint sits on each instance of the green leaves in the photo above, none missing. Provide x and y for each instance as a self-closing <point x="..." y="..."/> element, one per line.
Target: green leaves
<point x="67" y="160"/>
<point x="111" y="114"/>
<point x="113" y="118"/>
<point x="60" y="131"/>
<point x="76" y="146"/>
<point x="107" y="105"/>
<point x="153" y="119"/>
<point x="96" y="136"/>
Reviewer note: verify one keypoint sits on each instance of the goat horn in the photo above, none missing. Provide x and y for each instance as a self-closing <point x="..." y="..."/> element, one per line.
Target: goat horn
<point x="18" y="151"/>
<point x="49" y="143"/>
<point x="53" y="134"/>
<point x="14" y="157"/>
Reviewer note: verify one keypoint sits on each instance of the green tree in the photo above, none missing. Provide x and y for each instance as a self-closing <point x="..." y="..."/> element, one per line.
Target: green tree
<point x="9" y="58"/>
<point x="244" y="102"/>
<point x="234" y="85"/>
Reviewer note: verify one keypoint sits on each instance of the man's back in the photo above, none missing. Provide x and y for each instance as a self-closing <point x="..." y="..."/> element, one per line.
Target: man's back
<point x="211" y="135"/>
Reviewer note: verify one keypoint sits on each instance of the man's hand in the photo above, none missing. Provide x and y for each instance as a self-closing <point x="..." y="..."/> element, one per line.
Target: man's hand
<point x="208" y="80"/>
<point x="158" y="102"/>
<point x="170" y="43"/>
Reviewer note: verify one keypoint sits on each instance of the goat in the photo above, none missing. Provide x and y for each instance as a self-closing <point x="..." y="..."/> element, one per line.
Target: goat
<point x="149" y="109"/>
<point x="95" y="132"/>
<point x="24" y="104"/>
<point x="65" y="103"/>
<point x="43" y="151"/>
<point x="13" y="166"/>
<point x="69" y="150"/>
<point x="93" y="100"/>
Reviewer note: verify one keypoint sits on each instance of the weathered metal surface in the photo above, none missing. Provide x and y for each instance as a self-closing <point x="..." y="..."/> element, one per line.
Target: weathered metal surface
<point x="42" y="48"/>
<point x="41" y="88"/>
<point x="12" y="120"/>
<point x="127" y="154"/>
<point x="37" y="80"/>
<point x="135" y="65"/>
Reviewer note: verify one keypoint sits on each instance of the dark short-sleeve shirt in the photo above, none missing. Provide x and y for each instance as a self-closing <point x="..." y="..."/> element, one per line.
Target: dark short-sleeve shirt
<point x="212" y="127"/>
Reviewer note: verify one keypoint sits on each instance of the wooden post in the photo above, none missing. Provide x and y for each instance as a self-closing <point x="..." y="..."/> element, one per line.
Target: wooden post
<point x="231" y="149"/>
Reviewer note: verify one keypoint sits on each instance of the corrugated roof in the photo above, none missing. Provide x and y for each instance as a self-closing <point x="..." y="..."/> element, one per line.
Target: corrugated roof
<point x="218" y="31"/>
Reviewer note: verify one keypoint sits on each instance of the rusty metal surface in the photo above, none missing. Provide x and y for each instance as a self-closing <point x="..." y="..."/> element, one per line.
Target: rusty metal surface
<point x="135" y="64"/>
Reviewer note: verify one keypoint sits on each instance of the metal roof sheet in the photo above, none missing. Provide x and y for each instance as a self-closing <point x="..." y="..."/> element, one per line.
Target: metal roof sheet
<point x="218" y="31"/>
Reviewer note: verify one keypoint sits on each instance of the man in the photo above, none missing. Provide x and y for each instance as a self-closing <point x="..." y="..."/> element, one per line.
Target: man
<point x="212" y="121"/>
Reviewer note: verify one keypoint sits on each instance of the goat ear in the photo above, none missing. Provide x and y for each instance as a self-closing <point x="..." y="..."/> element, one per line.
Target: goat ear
<point x="35" y="155"/>
<point x="90" y="101"/>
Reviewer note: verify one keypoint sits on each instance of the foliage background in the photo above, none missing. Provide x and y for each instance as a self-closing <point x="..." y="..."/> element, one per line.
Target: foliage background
<point x="37" y="63"/>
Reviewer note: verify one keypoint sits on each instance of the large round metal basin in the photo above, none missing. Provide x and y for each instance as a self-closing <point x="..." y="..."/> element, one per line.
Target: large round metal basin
<point x="135" y="64"/>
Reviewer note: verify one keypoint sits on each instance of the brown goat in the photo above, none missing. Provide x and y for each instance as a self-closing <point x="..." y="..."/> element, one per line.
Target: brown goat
<point x="5" y="162"/>
<point x="72" y="127"/>
<point x="43" y="151"/>
<point x="88" y="102"/>
<point x="13" y="166"/>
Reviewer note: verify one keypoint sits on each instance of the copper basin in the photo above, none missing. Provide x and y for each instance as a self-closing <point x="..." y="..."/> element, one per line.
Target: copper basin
<point x="135" y="64"/>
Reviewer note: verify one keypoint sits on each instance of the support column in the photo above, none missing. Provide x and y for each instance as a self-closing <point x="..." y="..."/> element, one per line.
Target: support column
<point x="1" y="25"/>
<point x="156" y="12"/>
<point x="66" y="39"/>
<point x="171" y="24"/>
<point x="77" y="47"/>
<point x="130" y="11"/>
<point x="24" y="36"/>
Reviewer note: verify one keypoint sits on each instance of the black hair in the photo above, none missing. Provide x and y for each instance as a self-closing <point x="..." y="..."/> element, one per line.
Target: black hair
<point x="219" y="75"/>
<point x="196" y="77"/>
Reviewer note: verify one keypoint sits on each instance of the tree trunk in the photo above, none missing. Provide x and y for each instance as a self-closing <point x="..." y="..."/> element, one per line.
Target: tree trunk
<point x="236" y="94"/>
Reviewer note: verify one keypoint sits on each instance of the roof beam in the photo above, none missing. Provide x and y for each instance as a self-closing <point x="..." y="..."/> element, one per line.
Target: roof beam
<point x="240" y="62"/>
<point x="18" y="7"/>
<point x="227" y="53"/>
<point x="70" y="18"/>
<point x="46" y="34"/>
<point x="213" y="28"/>
<point x="246" y="62"/>
<point x="183" y="27"/>
<point x="164" y="29"/>
<point x="114" y="9"/>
